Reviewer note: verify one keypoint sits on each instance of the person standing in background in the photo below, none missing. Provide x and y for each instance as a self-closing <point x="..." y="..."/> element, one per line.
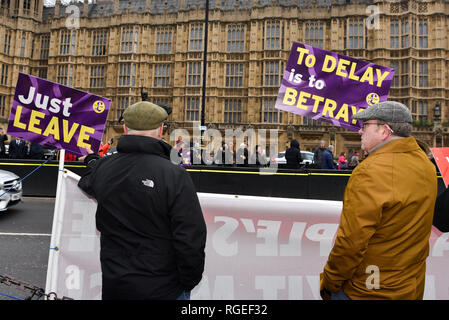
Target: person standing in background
<point x="293" y="155"/>
<point x="3" y="138"/>
<point x="18" y="149"/>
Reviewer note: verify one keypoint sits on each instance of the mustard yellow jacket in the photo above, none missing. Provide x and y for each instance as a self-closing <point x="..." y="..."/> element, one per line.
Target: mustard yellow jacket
<point x="383" y="239"/>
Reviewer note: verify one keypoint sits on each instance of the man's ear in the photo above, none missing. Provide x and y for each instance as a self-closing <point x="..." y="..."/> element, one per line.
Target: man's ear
<point x="161" y="131"/>
<point x="125" y="129"/>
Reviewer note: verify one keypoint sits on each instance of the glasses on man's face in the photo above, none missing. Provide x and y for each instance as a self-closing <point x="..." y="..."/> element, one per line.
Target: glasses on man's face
<point x="365" y="124"/>
<point x="376" y="123"/>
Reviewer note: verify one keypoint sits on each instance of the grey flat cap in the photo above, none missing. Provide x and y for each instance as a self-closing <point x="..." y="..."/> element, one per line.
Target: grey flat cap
<point x="388" y="111"/>
<point x="144" y="115"/>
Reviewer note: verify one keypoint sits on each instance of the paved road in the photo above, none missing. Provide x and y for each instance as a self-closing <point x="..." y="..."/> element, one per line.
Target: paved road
<point x="25" y="232"/>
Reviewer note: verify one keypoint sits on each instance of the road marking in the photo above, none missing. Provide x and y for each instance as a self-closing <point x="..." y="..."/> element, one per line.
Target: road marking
<point x="25" y="234"/>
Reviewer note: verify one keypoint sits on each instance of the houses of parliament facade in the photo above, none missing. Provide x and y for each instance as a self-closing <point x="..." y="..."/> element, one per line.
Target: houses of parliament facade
<point x="117" y="49"/>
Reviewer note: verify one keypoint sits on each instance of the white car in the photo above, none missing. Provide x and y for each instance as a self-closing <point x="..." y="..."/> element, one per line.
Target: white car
<point x="307" y="158"/>
<point x="10" y="189"/>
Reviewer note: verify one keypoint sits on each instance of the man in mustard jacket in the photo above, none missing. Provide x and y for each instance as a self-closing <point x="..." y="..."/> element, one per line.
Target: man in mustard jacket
<point x="383" y="239"/>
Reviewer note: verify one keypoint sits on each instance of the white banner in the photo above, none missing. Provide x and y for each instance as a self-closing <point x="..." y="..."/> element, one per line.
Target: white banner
<point x="257" y="247"/>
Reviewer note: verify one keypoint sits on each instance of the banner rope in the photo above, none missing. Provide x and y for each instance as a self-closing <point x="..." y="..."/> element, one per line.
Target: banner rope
<point x="29" y="174"/>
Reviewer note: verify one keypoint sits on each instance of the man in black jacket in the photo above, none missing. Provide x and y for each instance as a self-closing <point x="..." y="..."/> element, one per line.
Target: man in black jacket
<point x="293" y="155"/>
<point x="153" y="232"/>
<point x="3" y="138"/>
<point x="318" y="154"/>
<point x="18" y="149"/>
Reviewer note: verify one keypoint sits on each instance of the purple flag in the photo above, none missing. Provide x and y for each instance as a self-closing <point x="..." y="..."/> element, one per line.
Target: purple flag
<point x="54" y="115"/>
<point x="331" y="87"/>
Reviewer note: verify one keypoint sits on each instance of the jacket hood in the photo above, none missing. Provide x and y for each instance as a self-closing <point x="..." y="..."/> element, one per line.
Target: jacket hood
<point x="141" y="144"/>
<point x="294" y="143"/>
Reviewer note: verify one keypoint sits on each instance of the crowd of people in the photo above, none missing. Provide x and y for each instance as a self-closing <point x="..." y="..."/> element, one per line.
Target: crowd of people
<point x="226" y="155"/>
<point x="229" y="155"/>
<point x="19" y="148"/>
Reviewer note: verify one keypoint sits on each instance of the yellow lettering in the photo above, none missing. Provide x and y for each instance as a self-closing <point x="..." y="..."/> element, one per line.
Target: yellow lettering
<point x="381" y="77"/>
<point x="17" y="122"/>
<point x="301" y="51"/>
<point x="329" y="106"/>
<point x="352" y="75"/>
<point x="68" y="135"/>
<point x="343" y="113"/>
<point x="326" y="67"/>
<point x="317" y="99"/>
<point x="368" y="75"/>
<point x="83" y="136"/>
<point x="52" y="128"/>
<point x="342" y="63"/>
<point x="35" y="121"/>
<point x="290" y="96"/>
<point x="355" y="111"/>
<point x="302" y="99"/>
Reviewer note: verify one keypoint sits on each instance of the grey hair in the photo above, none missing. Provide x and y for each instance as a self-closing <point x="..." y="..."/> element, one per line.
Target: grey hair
<point x="152" y="132"/>
<point x="401" y="129"/>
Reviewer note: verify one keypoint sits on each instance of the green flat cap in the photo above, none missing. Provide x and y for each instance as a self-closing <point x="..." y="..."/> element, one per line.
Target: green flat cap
<point x="144" y="115"/>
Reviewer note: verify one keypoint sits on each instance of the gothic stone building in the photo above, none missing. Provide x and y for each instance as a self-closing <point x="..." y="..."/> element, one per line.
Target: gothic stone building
<point x="115" y="48"/>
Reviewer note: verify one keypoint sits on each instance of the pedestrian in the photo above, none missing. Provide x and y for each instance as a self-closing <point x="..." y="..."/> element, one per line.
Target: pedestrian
<point x="342" y="161"/>
<point x="318" y="155"/>
<point x="196" y="153"/>
<point x="230" y="154"/>
<point x="220" y="155"/>
<point x="36" y="151"/>
<point x="105" y="147"/>
<point x="18" y="149"/>
<point x="293" y="155"/>
<point x="152" y="229"/>
<point x="185" y="154"/>
<point x="3" y="138"/>
<point x="258" y="157"/>
<point x="354" y="160"/>
<point x="327" y="159"/>
<point x="383" y="239"/>
<point x="241" y="155"/>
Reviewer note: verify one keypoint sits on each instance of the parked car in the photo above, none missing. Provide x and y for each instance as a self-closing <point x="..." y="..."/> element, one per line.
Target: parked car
<point x="307" y="158"/>
<point x="10" y="189"/>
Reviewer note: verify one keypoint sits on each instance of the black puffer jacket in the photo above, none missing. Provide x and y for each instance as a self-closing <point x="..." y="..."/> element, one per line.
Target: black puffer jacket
<point x="293" y="155"/>
<point x="152" y="228"/>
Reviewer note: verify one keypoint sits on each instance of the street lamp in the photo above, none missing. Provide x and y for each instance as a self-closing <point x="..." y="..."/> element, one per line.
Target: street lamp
<point x="437" y="113"/>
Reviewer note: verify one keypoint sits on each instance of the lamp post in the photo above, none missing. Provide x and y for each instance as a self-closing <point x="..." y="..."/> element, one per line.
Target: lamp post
<point x="436" y="125"/>
<point x="203" y="100"/>
<point x="437" y="113"/>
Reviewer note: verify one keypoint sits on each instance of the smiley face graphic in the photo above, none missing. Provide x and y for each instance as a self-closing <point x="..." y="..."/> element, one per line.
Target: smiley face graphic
<point x="99" y="106"/>
<point x="372" y="98"/>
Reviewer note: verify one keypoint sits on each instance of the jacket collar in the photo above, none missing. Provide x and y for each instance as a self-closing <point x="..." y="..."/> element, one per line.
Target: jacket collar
<point x="141" y="144"/>
<point x="397" y="146"/>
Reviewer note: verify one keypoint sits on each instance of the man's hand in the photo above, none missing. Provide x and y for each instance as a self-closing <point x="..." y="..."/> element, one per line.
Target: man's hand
<point x="89" y="151"/>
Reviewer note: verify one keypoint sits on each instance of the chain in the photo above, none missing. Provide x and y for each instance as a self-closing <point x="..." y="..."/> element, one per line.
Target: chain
<point x="36" y="292"/>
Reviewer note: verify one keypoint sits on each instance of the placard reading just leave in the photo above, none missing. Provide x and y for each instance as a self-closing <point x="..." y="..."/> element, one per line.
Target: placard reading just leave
<point x="55" y="115"/>
<point x="331" y="87"/>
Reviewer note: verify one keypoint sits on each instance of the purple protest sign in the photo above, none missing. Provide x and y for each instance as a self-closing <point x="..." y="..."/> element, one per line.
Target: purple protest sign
<point x="331" y="87"/>
<point x="54" y="115"/>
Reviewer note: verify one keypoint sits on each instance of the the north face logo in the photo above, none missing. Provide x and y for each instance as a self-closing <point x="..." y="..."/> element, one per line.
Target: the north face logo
<point x="148" y="183"/>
